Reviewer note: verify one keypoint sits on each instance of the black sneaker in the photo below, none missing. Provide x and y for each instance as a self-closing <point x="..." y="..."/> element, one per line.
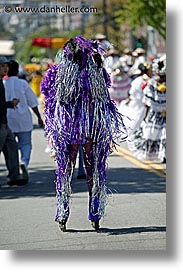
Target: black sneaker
<point x="164" y="160"/>
<point x="24" y="172"/>
<point x="17" y="182"/>
<point x="95" y="225"/>
<point x="62" y="225"/>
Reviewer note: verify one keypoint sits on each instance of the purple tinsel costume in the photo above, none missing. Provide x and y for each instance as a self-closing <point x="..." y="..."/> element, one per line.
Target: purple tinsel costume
<point x="78" y="110"/>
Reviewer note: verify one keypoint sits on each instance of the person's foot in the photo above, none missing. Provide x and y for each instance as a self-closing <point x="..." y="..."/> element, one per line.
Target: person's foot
<point x="62" y="225"/>
<point x="95" y="225"/>
<point x="53" y="154"/>
<point x="48" y="149"/>
<point x="24" y="172"/>
<point x="18" y="181"/>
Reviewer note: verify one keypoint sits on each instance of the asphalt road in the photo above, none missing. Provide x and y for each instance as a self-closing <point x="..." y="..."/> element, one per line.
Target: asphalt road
<point x="135" y="217"/>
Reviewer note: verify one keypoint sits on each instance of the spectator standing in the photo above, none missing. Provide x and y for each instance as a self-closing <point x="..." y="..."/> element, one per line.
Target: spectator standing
<point x="126" y="59"/>
<point x="120" y="84"/>
<point x="20" y="118"/>
<point x="8" y="144"/>
<point x="140" y="58"/>
<point x="111" y="58"/>
<point x="35" y="82"/>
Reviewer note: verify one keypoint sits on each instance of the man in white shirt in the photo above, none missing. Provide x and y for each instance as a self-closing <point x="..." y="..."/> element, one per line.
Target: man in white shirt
<point x="20" y="118"/>
<point x="8" y="144"/>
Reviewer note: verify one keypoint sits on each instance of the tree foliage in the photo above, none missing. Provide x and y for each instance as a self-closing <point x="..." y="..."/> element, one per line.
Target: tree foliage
<point x="104" y="22"/>
<point x="140" y="12"/>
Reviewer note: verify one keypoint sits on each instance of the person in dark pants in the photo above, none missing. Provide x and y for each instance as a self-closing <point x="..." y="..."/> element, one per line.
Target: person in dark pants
<point x="8" y="144"/>
<point x="20" y="119"/>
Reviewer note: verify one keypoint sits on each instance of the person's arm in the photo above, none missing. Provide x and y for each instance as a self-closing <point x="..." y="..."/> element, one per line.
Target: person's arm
<point x="36" y="111"/>
<point x="13" y="103"/>
<point x="5" y="105"/>
<point x="9" y="104"/>
<point x="32" y="101"/>
<point x="128" y="100"/>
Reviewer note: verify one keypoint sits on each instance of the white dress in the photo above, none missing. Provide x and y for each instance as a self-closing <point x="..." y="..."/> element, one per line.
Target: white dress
<point x="120" y="86"/>
<point x="135" y="109"/>
<point x="149" y="141"/>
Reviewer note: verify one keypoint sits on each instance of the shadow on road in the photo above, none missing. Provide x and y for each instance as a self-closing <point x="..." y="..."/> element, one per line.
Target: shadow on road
<point x="131" y="230"/>
<point x="121" y="231"/>
<point x="120" y="180"/>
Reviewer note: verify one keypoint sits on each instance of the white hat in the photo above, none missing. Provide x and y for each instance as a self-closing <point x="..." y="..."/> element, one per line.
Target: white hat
<point x="135" y="54"/>
<point x="112" y="51"/>
<point x="100" y="36"/>
<point x="127" y="51"/>
<point x="139" y="50"/>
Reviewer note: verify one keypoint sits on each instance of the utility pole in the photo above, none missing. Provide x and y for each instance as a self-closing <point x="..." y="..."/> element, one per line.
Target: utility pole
<point x="69" y="24"/>
<point x="105" y="18"/>
<point x="83" y="19"/>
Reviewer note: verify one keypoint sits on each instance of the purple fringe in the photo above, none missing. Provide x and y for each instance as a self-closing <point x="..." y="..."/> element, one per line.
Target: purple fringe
<point x="86" y="116"/>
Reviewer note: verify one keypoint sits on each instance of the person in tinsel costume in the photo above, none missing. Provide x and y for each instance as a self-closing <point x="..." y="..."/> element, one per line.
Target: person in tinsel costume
<point x="78" y="110"/>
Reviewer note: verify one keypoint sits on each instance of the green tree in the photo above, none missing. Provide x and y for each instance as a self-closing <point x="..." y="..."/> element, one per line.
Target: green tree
<point x="104" y="21"/>
<point x="137" y="13"/>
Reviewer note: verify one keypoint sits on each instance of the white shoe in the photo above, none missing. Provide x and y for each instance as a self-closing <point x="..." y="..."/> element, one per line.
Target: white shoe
<point x="47" y="150"/>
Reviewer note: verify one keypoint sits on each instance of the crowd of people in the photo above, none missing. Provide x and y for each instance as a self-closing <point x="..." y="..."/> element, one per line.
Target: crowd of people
<point x="138" y="88"/>
<point x="93" y="98"/>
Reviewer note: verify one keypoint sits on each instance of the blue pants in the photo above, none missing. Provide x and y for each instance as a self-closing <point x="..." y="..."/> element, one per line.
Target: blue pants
<point x="25" y="146"/>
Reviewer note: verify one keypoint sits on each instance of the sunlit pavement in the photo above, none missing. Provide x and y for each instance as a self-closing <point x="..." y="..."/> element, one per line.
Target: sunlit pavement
<point x="135" y="214"/>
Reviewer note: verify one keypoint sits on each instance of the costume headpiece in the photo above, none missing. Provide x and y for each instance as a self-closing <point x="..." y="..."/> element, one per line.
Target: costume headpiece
<point x="80" y="67"/>
<point x="145" y="67"/>
<point x="159" y="65"/>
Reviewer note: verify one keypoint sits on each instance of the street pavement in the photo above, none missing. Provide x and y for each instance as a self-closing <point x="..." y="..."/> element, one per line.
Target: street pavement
<point x="135" y="217"/>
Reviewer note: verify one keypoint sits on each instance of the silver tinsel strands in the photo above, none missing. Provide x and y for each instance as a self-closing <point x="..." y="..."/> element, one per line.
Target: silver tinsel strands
<point x="97" y="84"/>
<point x="79" y="111"/>
<point x="66" y="81"/>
